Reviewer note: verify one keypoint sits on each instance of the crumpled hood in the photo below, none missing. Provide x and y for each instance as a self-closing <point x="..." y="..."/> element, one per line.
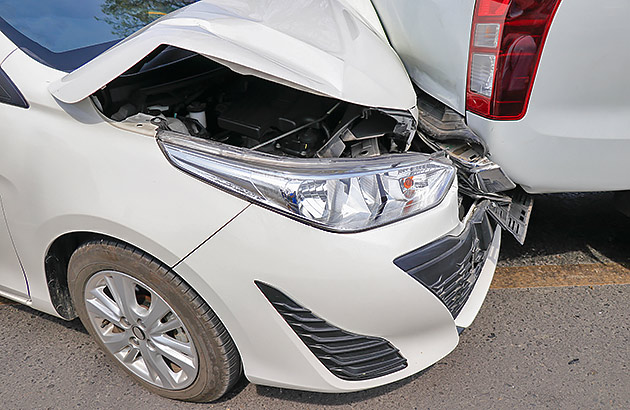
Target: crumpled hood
<point x="321" y="46"/>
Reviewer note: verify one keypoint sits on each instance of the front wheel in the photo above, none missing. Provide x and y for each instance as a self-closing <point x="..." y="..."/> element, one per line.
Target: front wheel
<point x="151" y="323"/>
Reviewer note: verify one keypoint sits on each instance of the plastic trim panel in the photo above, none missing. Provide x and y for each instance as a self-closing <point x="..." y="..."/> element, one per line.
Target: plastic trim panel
<point x="450" y="266"/>
<point x="347" y="355"/>
<point x="9" y="93"/>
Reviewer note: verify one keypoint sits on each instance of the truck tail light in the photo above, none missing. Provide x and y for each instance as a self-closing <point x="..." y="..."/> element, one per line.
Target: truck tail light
<point x="506" y="43"/>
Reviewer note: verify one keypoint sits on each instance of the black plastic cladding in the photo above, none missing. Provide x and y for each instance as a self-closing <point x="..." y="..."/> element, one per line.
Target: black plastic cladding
<point x="347" y="355"/>
<point x="450" y="266"/>
<point x="9" y="94"/>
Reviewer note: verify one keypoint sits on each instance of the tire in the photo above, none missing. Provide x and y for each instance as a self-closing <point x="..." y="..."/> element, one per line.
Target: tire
<point x="151" y="323"/>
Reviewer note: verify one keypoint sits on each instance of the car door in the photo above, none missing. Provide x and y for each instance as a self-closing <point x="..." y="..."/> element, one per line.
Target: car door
<point x="12" y="280"/>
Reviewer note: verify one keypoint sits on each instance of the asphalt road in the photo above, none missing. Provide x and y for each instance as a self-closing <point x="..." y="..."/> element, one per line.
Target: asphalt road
<point x="539" y="340"/>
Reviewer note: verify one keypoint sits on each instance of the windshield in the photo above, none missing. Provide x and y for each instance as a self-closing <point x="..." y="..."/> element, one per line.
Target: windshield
<point x="63" y="25"/>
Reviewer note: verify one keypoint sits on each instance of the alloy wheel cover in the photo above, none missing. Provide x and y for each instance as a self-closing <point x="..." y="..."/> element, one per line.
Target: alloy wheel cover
<point x="140" y="329"/>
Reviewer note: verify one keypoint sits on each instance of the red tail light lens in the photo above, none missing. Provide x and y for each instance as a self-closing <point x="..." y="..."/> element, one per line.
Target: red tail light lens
<point x="496" y="8"/>
<point x="506" y="43"/>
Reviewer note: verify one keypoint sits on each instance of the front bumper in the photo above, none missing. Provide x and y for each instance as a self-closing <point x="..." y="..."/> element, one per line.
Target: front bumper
<point x="346" y="281"/>
<point x="451" y="266"/>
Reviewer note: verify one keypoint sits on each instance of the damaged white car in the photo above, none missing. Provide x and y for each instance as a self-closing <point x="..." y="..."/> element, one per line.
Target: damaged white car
<point x="236" y="188"/>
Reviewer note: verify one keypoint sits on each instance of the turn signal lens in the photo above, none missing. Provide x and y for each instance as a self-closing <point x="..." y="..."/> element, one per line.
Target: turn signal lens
<point x="487" y="35"/>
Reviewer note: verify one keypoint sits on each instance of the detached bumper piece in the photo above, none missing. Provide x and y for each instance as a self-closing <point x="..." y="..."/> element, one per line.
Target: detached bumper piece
<point x="347" y="355"/>
<point x="450" y="266"/>
<point x="514" y="216"/>
<point x="444" y="130"/>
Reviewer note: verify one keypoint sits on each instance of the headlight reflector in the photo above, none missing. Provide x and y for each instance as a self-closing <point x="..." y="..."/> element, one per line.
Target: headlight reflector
<point x="341" y="194"/>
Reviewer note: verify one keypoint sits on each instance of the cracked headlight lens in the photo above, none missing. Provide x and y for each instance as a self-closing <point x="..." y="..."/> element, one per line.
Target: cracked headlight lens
<point x="341" y="194"/>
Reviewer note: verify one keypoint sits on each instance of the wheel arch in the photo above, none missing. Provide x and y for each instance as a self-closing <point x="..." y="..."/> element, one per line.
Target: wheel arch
<point x="63" y="235"/>
<point x="56" y="262"/>
<point x="56" y="269"/>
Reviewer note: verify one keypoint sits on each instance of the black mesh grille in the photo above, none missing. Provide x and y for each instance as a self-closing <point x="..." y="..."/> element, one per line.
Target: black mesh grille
<point x="347" y="355"/>
<point x="450" y="266"/>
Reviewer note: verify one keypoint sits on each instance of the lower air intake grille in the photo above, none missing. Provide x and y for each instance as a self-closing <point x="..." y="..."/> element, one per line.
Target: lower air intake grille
<point x="450" y="266"/>
<point x="347" y="355"/>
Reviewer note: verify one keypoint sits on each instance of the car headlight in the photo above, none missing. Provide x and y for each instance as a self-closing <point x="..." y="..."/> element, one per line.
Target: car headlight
<point x="341" y="194"/>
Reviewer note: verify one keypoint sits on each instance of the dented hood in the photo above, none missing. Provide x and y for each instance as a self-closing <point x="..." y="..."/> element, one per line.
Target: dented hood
<point x="322" y="46"/>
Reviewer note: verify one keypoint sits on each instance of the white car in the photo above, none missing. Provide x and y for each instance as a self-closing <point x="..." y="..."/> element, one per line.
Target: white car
<point x="231" y="190"/>
<point x="542" y="84"/>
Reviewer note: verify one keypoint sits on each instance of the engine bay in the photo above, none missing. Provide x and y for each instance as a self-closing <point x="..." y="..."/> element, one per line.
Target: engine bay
<point x="185" y="92"/>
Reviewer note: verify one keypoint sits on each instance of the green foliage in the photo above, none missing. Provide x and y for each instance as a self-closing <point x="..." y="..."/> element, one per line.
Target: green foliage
<point x="127" y="16"/>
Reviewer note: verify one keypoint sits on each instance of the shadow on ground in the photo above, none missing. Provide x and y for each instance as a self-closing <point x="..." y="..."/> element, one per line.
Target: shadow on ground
<point x="74" y="325"/>
<point x="570" y="229"/>
<point x="334" y="399"/>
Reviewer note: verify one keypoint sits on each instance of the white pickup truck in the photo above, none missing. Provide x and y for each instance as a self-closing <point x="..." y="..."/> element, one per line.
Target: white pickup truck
<point x="543" y="84"/>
